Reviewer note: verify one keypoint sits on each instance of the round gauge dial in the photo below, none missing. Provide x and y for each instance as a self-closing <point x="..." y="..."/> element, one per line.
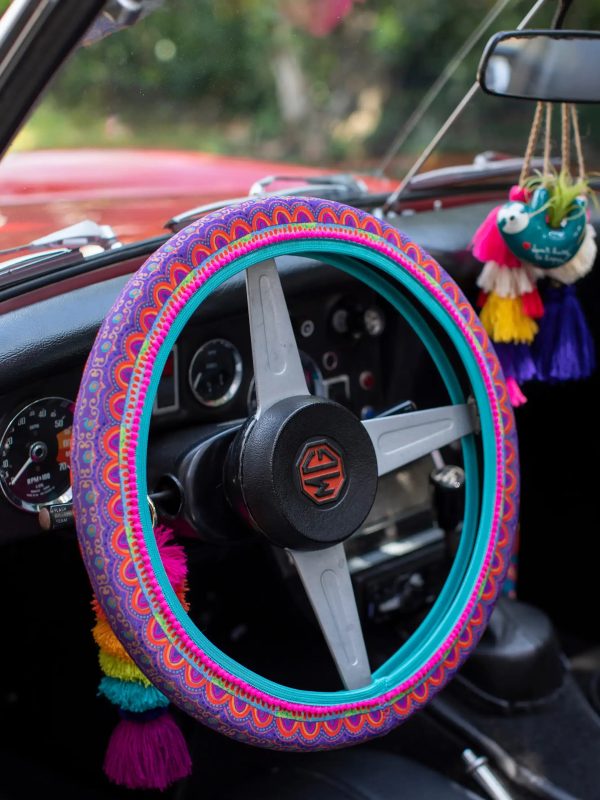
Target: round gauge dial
<point x="312" y="373"/>
<point x="215" y="373"/>
<point x="35" y="452"/>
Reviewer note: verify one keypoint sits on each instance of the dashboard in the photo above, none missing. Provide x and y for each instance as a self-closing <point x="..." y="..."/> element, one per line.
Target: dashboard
<point x="355" y="350"/>
<point x="402" y="552"/>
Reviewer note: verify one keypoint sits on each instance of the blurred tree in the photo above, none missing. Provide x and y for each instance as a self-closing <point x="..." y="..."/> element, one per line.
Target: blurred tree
<point x="312" y="80"/>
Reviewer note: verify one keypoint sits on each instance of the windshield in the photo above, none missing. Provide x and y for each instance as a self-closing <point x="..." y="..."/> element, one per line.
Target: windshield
<point x="201" y="99"/>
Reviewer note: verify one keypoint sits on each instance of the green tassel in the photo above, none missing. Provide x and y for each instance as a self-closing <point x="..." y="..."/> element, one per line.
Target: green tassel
<point x="131" y="695"/>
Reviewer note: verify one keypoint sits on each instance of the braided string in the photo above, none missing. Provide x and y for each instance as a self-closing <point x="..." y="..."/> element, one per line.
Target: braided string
<point x="548" y="139"/>
<point x="565" y="138"/>
<point x="577" y="140"/>
<point x="532" y="142"/>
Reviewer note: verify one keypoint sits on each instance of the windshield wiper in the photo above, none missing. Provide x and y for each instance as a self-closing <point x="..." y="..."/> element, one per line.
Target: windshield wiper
<point x="82" y="234"/>
<point x="66" y="246"/>
<point x="455" y="114"/>
<point x="339" y="186"/>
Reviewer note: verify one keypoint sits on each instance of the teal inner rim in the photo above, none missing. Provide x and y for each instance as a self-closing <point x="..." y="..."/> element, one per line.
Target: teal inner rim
<point x="468" y="562"/>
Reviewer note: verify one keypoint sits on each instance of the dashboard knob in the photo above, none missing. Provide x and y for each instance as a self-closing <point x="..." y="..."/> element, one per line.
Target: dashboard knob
<point x="448" y="496"/>
<point x="355" y="320"/>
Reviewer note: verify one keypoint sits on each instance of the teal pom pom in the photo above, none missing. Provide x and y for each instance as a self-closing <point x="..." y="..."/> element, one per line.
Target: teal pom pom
<point x="132" y="695"/>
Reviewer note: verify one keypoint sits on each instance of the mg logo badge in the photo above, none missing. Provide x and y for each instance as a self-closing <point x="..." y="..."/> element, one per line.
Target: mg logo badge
<point x="321" y="469"/>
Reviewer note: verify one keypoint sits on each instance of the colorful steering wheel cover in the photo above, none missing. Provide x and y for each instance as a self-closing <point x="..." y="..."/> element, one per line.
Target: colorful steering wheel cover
<point x="109" y="483"/>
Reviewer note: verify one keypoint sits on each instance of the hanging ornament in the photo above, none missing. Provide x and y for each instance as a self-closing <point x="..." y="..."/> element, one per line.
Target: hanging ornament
<point x="541" y="233"/>
<point x="146" y="749"/>
<point x="527" y="230"/>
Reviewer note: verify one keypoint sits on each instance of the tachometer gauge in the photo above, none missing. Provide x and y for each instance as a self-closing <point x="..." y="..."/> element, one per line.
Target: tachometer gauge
<point x="215" y="373"/>
<point x="35" y="452"/>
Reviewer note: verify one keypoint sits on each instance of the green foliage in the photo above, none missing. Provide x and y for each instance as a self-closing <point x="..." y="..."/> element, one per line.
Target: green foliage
<point x="562" y="189"/>
<point x="240" y="76"/>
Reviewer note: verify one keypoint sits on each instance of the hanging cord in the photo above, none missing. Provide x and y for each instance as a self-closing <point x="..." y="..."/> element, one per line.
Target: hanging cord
<point x="446" y="74"/>
<point x="534" y="135"/>
<point x="428" y="150"/>
<point x="577" y="140"/>
<point x="548" y="139"/>
<point x="565" y="145"/>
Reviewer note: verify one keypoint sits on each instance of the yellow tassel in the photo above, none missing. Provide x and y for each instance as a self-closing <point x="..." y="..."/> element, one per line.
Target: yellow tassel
<point x="505" y="321"/>
<point x="124" y="669"/>
<point x="107" y="641"/>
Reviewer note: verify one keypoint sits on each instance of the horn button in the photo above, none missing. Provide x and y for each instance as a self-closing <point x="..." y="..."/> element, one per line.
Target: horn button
<point x="304" y="473"/>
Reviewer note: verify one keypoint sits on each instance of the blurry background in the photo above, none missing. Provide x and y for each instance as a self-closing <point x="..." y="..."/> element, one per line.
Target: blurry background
<point x="309" y="81"/>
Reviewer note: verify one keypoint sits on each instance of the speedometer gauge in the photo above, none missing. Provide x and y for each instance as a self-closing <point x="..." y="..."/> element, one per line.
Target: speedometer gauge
<point x="35" y="452"/>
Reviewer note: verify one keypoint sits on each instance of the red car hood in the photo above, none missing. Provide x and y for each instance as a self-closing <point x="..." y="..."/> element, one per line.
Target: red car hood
<point x="134" y="191"/>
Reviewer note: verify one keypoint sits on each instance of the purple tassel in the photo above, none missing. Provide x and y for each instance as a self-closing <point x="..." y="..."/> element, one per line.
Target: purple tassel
<point x="149" y="753"/>
<point x="516" y="361"/>
<point x="564" y="348"/>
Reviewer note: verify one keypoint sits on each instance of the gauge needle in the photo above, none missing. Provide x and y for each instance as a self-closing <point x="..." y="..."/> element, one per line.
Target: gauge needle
<point x="21" y="471"/>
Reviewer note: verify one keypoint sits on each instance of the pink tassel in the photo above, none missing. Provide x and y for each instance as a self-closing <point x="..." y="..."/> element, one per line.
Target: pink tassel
<point x="173" y="558"/>
<point x="147" y="754"/>
<point x="516" y="396"/>
<point x="488" y="244"/>
<point x="532" y="304"/>
<point x="518" y="194"/>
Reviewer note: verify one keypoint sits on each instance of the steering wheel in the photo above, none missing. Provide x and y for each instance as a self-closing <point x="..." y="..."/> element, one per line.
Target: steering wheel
<point x="303" y="470"/>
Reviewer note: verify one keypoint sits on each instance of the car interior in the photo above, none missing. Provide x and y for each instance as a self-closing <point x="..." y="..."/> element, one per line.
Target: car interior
<point x="223" y="428"/>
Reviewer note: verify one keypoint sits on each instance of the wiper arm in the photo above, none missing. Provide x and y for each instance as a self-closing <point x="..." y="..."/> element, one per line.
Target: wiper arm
<point x="454" y="115"/>
<point x="58" y="249"/>
<point x="16" y="269"/>
<point x="81" y="234"/>
<point x="339" y="183"/>
<point x="328" y="187"/>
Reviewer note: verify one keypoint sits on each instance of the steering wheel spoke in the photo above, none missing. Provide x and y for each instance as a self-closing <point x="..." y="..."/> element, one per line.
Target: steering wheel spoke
<point x="278" y="371"/>
<point x="327" y="582"/>
<point x="402" y="438"/>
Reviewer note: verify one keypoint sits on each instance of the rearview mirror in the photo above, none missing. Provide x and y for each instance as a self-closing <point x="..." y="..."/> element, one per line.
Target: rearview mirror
<point x="555" y="66"/>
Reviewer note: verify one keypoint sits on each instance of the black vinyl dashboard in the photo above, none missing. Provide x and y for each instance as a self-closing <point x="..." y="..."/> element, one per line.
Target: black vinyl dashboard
<point x="357" y="350"/>
<point x="348" y="337"/>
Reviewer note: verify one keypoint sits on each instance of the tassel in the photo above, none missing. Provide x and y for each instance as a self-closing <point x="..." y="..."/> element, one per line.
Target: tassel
<point x="146" y="749"/>
<point x="580" y="264"/>
<point x="505" y="320"/>
<point x="131" y="695"/>
<point x="147" y="752"/>
<point x="532" y="304"/>
<point x="488" y="244"/>
<point x="173" y="558"/>
<point x="518" y="367"/>
<point x="124" y="669"/>
<point x="517" y="361"/>
<point x="506" y="281"/>
<point x="107" y="641"/>
<point x="515" y="395"/>
<point x="564" y="348"/>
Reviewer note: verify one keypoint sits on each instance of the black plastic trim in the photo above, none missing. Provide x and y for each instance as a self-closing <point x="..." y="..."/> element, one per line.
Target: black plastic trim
<point x="33" y="63"/>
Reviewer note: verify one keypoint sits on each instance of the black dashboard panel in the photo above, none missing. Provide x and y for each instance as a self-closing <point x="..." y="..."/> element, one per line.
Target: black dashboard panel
<point x="45" y="346"/>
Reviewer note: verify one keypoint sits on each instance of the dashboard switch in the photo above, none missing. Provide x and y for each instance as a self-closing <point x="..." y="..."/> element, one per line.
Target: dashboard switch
<point x="449" y="496"/>
<point x="366" y="380"/>
<point x="330" y="360"/>
<point x="307" y="328"/>
<point x="351" y="318"/>
<point x="57" y="517"/>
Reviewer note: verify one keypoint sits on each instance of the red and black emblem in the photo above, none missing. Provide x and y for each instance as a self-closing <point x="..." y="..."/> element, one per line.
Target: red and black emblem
<point x="321" y="469"/>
